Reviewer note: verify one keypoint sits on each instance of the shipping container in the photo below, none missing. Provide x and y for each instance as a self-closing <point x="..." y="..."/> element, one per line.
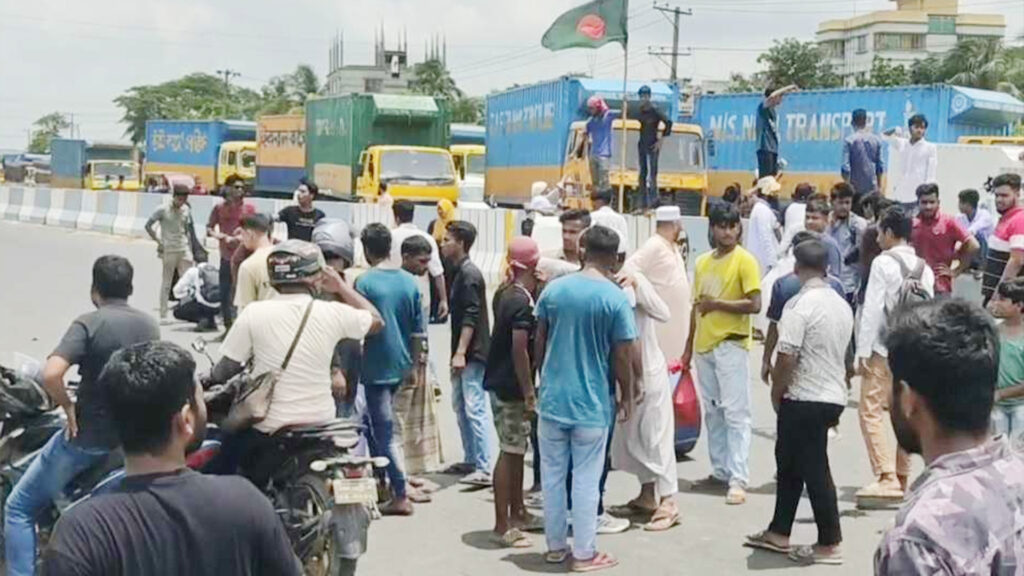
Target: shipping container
<point x="468" y="134"/>
<point x="528" y="128"/>
<point x="70" y="157"/>
<point x="192" y="146"/>
<point x="280" y="153"/>
<point x="813" y="123"/>
<point x="339" y="128"/>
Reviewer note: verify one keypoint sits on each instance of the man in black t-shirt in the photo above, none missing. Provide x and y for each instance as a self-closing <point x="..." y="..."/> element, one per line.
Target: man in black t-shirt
<point x="167" y="519"/>
<point x="90" y="433"/>
<point x="302" y="219"/>
<point x="467" y="301"/>
<point x="509" y="380"/>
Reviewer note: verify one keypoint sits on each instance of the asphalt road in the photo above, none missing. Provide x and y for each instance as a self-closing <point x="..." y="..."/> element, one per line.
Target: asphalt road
<point x="45" y="284"/>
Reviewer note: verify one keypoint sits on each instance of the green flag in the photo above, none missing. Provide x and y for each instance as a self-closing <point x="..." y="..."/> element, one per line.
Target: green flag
<point x="589" y="26"/>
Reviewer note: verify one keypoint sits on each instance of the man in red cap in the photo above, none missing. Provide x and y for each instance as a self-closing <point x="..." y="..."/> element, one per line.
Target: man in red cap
<point x="509" y="380"/>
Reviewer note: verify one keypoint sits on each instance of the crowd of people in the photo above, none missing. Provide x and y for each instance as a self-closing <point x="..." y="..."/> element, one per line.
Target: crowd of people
<point x="570" y="362"/>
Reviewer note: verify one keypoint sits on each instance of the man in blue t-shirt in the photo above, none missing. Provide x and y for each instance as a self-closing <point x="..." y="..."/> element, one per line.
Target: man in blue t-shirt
<point x="599" y="133"/>
<point x="585" y="332"/>
<point x="767" y="129"/>
<point x="388" y="355"/>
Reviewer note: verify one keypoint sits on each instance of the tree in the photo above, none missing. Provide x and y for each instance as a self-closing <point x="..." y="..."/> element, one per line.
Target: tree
<point x="802" y="63"/>
<point x="287" y="93"/>
<point x="738" y="83"/>
<point x="980" y="63"/>
<point x="885" y="73"/>
<point x="433" y="79"/>
<point x="47" y="128"/>
<point x="468" y="110"/>
<point x="926" y="71"/>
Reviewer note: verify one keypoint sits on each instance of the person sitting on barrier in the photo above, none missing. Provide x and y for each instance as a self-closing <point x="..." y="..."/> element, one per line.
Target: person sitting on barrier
<point x="198" y="294"/>
<point x="266" y="330"/>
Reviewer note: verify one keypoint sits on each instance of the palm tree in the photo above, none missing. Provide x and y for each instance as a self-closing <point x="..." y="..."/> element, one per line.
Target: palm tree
<point x="982" y="63"/>
<point x="433" y="79"/>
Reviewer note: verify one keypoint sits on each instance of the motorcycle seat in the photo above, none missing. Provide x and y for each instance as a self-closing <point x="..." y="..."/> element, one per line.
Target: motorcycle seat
<point x="344" y="433"/>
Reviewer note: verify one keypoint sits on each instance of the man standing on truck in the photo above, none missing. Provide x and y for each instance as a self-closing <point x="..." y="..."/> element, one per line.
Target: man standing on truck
<point x="862" y="156"/>
<point x="649" y="147"/>
<point x="919" y="161"/>
<point x="599" y="134"/>
<point x="768" y="130"/>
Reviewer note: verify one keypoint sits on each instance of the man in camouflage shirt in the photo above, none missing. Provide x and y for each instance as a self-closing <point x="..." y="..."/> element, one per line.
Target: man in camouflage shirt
<point x="965" y="514"/>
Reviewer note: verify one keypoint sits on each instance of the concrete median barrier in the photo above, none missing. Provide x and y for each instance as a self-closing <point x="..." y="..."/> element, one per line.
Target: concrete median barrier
<point x="15" y="198"/>
<point x="35" y="203"/>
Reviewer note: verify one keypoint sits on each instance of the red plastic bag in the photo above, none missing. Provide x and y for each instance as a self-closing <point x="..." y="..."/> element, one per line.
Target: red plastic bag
<point x="686" y="407"/>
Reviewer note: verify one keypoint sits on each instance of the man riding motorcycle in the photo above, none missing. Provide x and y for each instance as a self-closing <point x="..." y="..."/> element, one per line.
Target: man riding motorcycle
<point x="265" y="331"/>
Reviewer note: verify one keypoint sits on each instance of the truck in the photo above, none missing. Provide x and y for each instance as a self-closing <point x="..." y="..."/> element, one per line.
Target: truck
<point x="813" y="123"/>
<point x="532" y="133"/>
<point x="280" y="154"/>
<point x="215" y="152"/>
<point x="94" y="165"/>
<point x="963" y="166"/>
<point x="358" y="142"/>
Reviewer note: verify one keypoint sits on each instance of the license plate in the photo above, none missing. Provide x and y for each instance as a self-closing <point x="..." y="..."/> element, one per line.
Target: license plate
<point x="354" y="490"/>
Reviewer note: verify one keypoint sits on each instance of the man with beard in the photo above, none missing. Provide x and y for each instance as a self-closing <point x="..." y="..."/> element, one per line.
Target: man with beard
<point x="1005" y="256"/>
<point x="963" y="514"/>
<point x="167" y="519"/>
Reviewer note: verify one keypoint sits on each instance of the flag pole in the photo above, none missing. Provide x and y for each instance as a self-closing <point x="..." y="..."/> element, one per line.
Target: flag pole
<point x="625" y="109"/>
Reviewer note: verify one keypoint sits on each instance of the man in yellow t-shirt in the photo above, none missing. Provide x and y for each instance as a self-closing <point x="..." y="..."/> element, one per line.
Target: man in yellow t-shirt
<point x="253" y="283"/>
<point x="726" y="290"/>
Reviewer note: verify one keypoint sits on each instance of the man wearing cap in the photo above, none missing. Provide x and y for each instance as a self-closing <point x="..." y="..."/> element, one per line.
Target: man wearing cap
<point x="760" y="239"/>
<point x="649" y="147"/>
<point x="509" y="381"/>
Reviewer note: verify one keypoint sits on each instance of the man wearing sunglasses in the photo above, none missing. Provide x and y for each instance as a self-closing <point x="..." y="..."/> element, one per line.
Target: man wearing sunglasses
<point x="225" y="225"/>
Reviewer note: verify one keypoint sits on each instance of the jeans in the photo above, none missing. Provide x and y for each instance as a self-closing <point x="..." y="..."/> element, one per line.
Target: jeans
<point x="473" y="414"/>
<point x="886" y="457"/>
<point x="381" y="409"/>
<point x="801" y="459"/>
<point x="1009" y="421"/>
<point x="599" y="166"/>
<point x="723" y="378"/>
<point x="586" y="448"/>
<point x="227" y="305"/>
<point x="47" y="476"/>
<point x="172" y="261"/>
<point x="648" y="190"/>
<point x="604" y="472"/>
<point x="190" y="310"/>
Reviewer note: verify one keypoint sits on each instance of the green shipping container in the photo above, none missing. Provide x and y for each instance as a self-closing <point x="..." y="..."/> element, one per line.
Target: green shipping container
<point x="339" y="128"/>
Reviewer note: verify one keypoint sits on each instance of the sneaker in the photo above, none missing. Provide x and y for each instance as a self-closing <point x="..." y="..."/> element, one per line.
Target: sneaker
<point x="478" y="478"/>
<point x="608" y="524"/>
<point x="833" y="433"/>
<point x="709" y="484"/>
<point x="881" y="489"/>
<point x="736" y="495"/>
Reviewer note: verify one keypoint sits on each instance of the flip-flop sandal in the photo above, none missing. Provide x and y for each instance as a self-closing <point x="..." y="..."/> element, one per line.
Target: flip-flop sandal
<point x="662" y="521"/>
<point x="533" y="524"/>
<point x="600" y="561"/>
<point x="556" y="556"/>
<point x="807" y="555"/>
<point x="761" y="542"/>
<point x="512" y="538"/>
<point x="419" y="497"/>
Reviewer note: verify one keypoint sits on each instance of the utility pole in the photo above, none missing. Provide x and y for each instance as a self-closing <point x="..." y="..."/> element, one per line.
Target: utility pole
<point x="228" y="74"/>
<point x="676" y="12"/>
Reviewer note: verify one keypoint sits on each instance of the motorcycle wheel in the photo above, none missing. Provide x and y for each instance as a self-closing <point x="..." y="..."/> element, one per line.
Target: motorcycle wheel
<point x="308" y="497"/>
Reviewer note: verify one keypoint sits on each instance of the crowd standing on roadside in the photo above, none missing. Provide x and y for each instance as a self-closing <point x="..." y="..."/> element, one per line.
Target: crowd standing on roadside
<point x="577" y="368"/>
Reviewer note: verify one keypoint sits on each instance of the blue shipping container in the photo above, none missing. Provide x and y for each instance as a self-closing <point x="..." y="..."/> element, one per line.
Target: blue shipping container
<point x="192" y="143"/>
<point x="68" y="157"/>
<point x="813" y="124"/>
<point x="528" y="128"/>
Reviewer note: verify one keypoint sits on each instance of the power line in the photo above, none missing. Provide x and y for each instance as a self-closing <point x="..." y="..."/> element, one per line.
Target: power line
<point x="676" y="12"/>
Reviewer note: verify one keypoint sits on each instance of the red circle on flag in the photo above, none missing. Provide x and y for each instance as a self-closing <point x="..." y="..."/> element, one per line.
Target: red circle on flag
<point x="592" y="26"/>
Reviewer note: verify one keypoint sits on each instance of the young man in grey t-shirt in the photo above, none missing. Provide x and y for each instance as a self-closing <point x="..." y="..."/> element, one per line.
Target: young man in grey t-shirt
<point x="172" y="244"/>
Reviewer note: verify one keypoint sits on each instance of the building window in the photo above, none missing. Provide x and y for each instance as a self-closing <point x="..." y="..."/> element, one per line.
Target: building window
<point x="941" y="24"/>
<point x="862" y="44"/>
<point x="898" y="42"/>
<point x="834" y="49"/>
<point x="373" y="85"/>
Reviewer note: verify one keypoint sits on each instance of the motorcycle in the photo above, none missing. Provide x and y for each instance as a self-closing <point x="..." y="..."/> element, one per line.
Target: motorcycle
<point x="324" y="495"/>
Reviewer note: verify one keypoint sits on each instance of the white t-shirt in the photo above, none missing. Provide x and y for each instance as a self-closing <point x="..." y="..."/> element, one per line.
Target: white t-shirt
<point x="253" y="283"/>
<point x="434" y="268"/>
<point x="264" y="331"/>
<point x="816" y="327"/>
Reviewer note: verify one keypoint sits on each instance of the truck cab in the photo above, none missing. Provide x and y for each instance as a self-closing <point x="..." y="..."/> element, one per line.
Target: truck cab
<point x="105" y="175"/>
<point x="415" y="173"/>
<point x="682" y="172"/>
<point x="470" y="168"/>
<point x="237" y="160"/>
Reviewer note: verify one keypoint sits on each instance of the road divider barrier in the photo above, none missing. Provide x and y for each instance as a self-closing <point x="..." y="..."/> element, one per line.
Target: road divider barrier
<point x="126" y="213"/>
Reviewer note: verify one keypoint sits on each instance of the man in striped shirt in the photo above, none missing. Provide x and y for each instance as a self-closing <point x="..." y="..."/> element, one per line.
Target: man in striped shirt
<point x="1006" y="246"/>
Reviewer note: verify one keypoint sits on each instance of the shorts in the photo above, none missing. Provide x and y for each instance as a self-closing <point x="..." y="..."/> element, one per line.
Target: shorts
<point x="511" y="423"/>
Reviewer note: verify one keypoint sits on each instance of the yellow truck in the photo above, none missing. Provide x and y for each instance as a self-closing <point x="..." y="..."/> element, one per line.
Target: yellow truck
<point x="112" y="175"/>
<point x="417" y="173"/>
<point x="682" y="173"/>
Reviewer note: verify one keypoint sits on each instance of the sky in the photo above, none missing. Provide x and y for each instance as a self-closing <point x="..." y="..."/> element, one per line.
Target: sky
<point x="76" y="57"/>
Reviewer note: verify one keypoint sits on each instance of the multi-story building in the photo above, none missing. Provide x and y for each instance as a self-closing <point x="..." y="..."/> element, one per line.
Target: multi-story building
<point x="914" y="31"/>
<point x="390" y="73"/>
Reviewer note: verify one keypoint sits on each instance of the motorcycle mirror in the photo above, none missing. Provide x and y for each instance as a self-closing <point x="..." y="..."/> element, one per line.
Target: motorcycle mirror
<point x="318" y="465"/>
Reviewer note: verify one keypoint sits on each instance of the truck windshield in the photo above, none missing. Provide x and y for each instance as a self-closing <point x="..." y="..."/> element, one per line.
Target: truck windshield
<point x="475" y="164"/>
<point x="415" y="165"/>
<point x="680" y="152"/>
<point x="129" y="170"/>
<point x="248" y="159"/>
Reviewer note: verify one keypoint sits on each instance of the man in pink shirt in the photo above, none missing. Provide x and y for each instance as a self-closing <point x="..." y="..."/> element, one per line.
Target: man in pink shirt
<point x="941" y="240"/>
